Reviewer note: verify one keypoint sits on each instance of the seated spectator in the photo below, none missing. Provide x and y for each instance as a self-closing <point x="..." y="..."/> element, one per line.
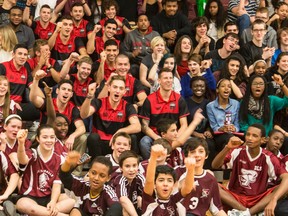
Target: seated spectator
<point x="120" y="142"/>
<point x="43" y="61"/>
<point x="136" y="44"/>
<point x="9" y="141"/>
<point x="218" y="56"/>
<point x="8" y="40"/>
<point x="101" y="195"/>
<point x="201" y="41"/>
<point x="24" y="33"/>
<point x="7" y="171"/>
<point x="229" y="27"/>
<point x="62" y="42"/>
<point x="282" y="34"/>
<point x="195" y="203"/>
<point x="257" y="106"/>
<point x="43" y="28"/>
<point x="20" y="78"/>
<point x="216" y="15"/>
<point x="233" y="70"/>
<point x="171" y="24"/>
<point x="106" y="64"/>
<point x="260" y="67"/>
<point x="129" y="184"/>
<point x="279" y="19"/>
<point x="270" y="38"/>
<point x="65" y="7"/>
<point x="183" y="50"/>
<point x="168" y="61"/>
<point x="162" y="200"/>
<point x="135" y="93"/>
<point x="158" y="46"/>
<point x="45" y="196"/>
<point x="254" y="49"/>
<point x="274" y="142"/>
<point x="4" y="11"/>
<point x="8" y="106"/>
<point x="223" y="114"/>
<point x="95" y="44"/>
<point x="111" y="9"/>
<point x="250" y="195"/>
<point x="111" y="115"/>
<point x="242" y="12"/>
<point x="164" y="103"/>
<point x="197" y="67"/>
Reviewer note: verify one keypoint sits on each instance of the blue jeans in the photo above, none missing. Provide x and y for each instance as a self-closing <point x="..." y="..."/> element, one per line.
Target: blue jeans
<point x="145" y="147"/>
<point x="243" y="22"/>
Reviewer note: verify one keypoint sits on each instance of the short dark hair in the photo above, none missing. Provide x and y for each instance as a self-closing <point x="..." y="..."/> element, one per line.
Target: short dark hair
<point x="15" y="7"/>
<point x="231" y="34"/>
<point x="230" y="23"/>
<point x="19" y="46"/>
<point x="163" y="142"/>
<point x="65" y="81"/>
<point x="260" y="127"/>
<point x="38" y="43"/>
<point x="275" y="131"/>
<point x="110" y="3"/>
<point x="110" y="42"/>
<point x="164" y="124"/>
<point x="110" y="21"/>
<point x="68" y="17"/>
<point x="193" y="143"/>
<point x="77" y="4"/>
<point x="127" y="154"/>
<point x="258" y="22"/>
<point x="164" y="169"/>
<point x="45" y="6"/>
<point x="199" y="21"/>
<point x="42" y="127"/>
<point x="163" y="70"/>
<point x="105" y="161"/>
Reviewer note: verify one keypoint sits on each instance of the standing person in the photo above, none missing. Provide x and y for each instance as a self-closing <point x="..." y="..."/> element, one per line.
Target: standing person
<point x="252" y="169"/>
<point x="223" y="114"/>
<point x="41" y="192"/>
<point x="257" y="106"/>
<point x="64" y="7"/>
<point x="164" y="103"/>
<point x="111" y="115"/>
<point x="170" y="23"/>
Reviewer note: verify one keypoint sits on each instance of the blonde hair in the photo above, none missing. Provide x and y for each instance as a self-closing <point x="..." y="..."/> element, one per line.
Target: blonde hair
<point x="9" y="39"/>
<point x="157" y="40"/>
<point x="7" y="101"/>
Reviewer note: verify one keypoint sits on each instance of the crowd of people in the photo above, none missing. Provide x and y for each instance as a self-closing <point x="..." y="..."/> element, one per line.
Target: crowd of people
<point x="150" y="102"/>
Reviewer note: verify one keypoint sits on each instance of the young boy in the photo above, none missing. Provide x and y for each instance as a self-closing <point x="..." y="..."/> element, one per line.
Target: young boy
<point x="162" y="179"/>
<point x="129" y="184"/>
<point x="120" y="142"/>
<point x="206" y="193"/>
<point x="96" y="197"/>
<point x="252" y="169"/>
<point x="275" y="142"/>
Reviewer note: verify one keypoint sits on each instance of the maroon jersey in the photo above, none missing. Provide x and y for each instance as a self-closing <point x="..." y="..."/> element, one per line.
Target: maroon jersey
<point x="40" y="175"/>
<point x="115" y="168"/>
<point x="251" y="176"/>
<point x="204" y="196"/>
<point x="155" y="108"/>
<point x="131" y="190"/>
<point x="18" y="79"/>
<point x="144" y="164"/>
<point x="6" y="170"/>
<point x="60" y="148"/>
<point x="10" y="149"/>
<point x="152" y="206"/>
<point x="40" y="32"/>
<point x="176" y="157"/>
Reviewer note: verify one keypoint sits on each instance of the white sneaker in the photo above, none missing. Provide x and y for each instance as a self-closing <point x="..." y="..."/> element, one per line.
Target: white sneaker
<point x="236" y="212"/>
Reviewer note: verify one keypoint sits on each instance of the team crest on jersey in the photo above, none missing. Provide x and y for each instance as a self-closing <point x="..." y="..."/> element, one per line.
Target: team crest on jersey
<point x="43" y="181"/>
<point x="205" y="193"/>
<point x="170" y="210"/>
<point x="247" y="177"/>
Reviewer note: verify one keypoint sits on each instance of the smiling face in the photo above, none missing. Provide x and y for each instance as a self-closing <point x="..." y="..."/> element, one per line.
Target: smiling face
<point x="159" y="48"/>
<point x="198" y="88"/>
<point x="169" y="63"/>
<point x="257" y="87"/>
<point x="165" y="81"/>
<point x="111" y="12"/>
<point x="12" y="128"/>
<point x="200" y="156"/>
<point x="130" y="168"/>
<point x="46" y="139"/>
<point x="283" y="64"/>
<point x="224" y="89"/>
<point x="120" y="145"/>
<point x="260" y="68"/>
<point x="110" y="30"/>
<point x="284" y="38"/>
<point x="186" y="46"/>
<point x="122" y="66"/>
<point x="171" y="8"/>
<point x="16" y="16"/>
<point x="84" y="71"/>
<point x="164" y="185"/>
<point x="111" y="53"/>
<point x="20" y="57"/>
<point x="77" y="13"/>
<point x="201" y="30"/>
<point x="61" y="127"/>
<point x="4" y="85"/>
<point x="45" y="14"/>
<point x="98" y="176"/>
<point x="233" y="67"/>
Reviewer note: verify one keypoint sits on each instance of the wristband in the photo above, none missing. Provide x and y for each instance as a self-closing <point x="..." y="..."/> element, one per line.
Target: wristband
<point x="83" y="3"/>
<point x="282" y="85"/>
<point x="90" y="97"/>
<point x="28" y="5"/>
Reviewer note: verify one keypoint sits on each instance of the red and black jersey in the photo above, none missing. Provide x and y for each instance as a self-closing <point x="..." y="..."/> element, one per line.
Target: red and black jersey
<point x="80" y="89"/>
<point x="106" y="120"/>
<point x="62" y="51"/>
<point x="155" y="108"/>
<point x="18" y="80"/>
<point x="31" y="64"/>
<point x="83" y="29"/>
<point x="71" y="112"/>
<point x="40" y="32"/>
<point x="99" y="45"/>
<point x="120" y="33"/>
<point x="39" y="174"/>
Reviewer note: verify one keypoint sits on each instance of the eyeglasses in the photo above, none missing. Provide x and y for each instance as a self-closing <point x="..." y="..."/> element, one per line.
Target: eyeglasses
<point x="258" y="84"/>
<point x="233" y="40"/>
